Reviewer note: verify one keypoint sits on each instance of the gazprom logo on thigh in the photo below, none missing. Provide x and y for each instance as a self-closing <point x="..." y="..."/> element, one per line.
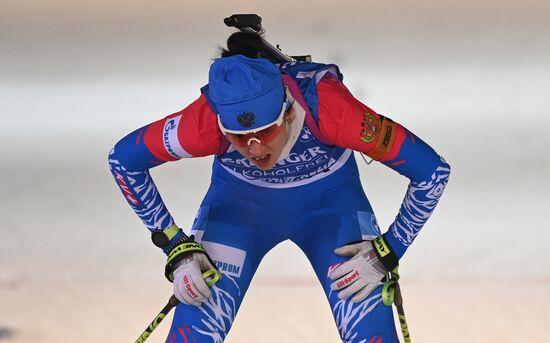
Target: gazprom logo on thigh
<point x="228" y="268"/>
<point x="229" y="260"/>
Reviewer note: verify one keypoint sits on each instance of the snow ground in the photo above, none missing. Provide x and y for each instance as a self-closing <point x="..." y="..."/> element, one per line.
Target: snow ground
<point x="78" y="266"/>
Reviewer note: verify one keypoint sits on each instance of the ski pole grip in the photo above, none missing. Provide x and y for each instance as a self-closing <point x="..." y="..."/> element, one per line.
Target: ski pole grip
<point x="238" y="21"/>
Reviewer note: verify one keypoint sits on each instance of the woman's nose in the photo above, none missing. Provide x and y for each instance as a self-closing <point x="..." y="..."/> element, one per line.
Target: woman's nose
<point x="256" y="148"/>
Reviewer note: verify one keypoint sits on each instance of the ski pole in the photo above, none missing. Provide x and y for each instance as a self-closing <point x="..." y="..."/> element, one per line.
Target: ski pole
<point x="210" y="276"/>
<point x="401" y="313"/>
<point x="391" y="294"/>
<point x="163" y="313"/>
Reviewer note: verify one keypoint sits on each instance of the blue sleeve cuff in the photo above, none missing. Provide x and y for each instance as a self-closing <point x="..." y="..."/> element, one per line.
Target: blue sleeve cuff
<point x="396" y="246"/>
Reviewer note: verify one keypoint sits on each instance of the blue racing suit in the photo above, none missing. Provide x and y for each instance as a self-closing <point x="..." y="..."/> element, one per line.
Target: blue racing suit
<point x="313" y="197"/>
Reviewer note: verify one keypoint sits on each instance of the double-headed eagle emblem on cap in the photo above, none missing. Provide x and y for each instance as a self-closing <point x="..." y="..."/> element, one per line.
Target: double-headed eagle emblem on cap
<point x="246" y="119"/>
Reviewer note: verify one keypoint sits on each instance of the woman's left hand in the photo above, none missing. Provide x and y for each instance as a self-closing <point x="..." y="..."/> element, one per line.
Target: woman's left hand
<point x="358" y="276"/>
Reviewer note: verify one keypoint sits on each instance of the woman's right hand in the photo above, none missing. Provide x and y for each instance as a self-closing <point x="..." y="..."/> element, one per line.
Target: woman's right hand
<point x="190" y="285"/>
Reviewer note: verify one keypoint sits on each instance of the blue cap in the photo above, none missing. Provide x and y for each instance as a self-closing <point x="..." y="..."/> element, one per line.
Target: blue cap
<point x="248" y="92"/>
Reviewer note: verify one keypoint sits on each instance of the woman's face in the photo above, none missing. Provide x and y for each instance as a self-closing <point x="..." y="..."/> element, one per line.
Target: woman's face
<point x="263" y="154"/>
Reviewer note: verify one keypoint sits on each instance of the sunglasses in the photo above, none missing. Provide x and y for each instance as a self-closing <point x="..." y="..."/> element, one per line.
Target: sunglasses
<point x="262" y="135"/>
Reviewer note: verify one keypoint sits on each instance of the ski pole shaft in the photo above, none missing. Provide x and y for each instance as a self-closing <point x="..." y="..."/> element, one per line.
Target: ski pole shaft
<point x="163" y="313"/>
<point x="391" y="294"/>
<point x="401" y="313"/>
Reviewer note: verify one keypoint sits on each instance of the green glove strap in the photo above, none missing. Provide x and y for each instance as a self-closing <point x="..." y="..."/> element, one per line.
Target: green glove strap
<point x="184" y="248"/>
<point x="384" y="253"/>
<point x="388" y="291"/>
<point x="180" y="251"/>
<point x="211" y="276"/>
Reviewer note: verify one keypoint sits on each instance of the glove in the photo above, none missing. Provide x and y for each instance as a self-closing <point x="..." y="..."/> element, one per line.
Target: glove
<point x="191" y="270"/>
<point x="360" y="275"/>
<point x="190" y="286"/>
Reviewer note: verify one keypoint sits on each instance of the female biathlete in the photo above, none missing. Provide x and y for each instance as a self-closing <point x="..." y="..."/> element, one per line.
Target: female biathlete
<point x="282" y="137"/>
